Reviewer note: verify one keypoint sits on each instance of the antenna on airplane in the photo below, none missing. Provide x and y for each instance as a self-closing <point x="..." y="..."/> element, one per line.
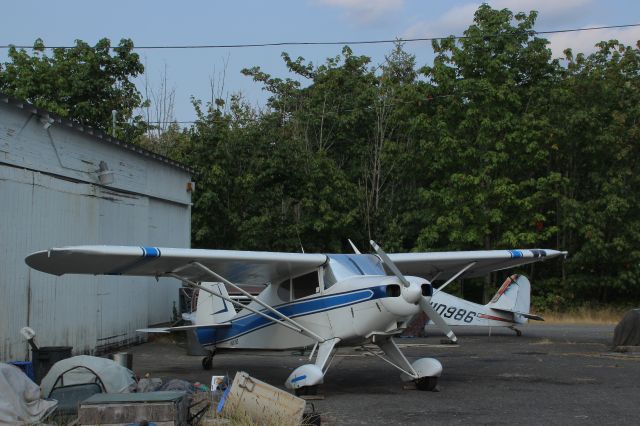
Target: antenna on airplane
<point x="353" y="246"/>
<point x="299" y="240"/>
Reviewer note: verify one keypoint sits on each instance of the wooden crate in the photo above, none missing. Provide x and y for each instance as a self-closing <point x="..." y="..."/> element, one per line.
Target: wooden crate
<point x="167" y="408"/>
<point x="260" y="401"/>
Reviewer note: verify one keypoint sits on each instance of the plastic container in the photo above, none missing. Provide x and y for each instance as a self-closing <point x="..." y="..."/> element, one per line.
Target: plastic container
<point x="125" y="359"/>
<point x="43" y="359"/>
<point x="26" y="367"/>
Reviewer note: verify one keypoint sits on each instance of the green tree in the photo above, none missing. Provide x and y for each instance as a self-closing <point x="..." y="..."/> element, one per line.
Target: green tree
<point x="353" y="115"/>
<point x="82" y="83"/>
<point x="486" y="144"/>
<point x="596" y="118"/>
<point x="489" y="181"/>
<point x="260" y="190"/>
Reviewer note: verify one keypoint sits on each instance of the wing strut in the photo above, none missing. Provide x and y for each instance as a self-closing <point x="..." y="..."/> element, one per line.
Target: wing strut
<point x="450" y="280"/>
<point x="285" y="319"/>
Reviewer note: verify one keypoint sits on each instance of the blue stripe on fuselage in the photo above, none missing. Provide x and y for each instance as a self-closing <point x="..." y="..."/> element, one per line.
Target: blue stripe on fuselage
<point x="252" y="322"/>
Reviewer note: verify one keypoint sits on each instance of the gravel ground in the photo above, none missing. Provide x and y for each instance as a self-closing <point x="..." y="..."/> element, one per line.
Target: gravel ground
<point x="553" y="374"/>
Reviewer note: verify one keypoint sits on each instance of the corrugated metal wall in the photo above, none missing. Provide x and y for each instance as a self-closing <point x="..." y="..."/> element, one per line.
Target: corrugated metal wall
<point x="49" y="197"/>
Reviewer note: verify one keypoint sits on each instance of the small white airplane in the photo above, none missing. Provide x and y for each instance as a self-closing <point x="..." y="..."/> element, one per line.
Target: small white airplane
<point x="508" y="307"/>
<point x="319" y="300"/>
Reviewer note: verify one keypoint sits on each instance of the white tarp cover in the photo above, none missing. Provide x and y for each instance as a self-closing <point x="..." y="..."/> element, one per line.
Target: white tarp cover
<point x="20" y="398"/>
<point x="116" y="378"/>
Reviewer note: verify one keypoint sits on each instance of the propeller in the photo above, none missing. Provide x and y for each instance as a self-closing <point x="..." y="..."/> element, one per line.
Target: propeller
<point x="437" y="319"/>
<point x="424" y="300"/>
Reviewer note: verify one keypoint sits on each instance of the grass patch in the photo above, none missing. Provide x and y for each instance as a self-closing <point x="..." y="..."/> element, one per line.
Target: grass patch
<point x="236" y="416"/>
<point x="586" y="315"/>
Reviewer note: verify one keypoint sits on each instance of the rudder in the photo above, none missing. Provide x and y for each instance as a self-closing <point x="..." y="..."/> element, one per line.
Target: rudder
<point x="213" y="309"/>
<point x="514" y="295"/>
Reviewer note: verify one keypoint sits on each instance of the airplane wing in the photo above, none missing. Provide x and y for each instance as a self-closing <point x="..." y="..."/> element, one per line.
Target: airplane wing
<point x="240" y="267"/>
<point x="256" y="268"/>
<point x="444" y="265"/>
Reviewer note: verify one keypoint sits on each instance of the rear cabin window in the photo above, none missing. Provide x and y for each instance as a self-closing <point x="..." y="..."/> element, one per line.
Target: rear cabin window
<point x="284" y="290"/>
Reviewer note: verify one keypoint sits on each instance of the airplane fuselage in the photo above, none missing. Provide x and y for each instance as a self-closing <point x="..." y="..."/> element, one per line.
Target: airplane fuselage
<point x="351" y="310"/>
<point x="457" y="311"/>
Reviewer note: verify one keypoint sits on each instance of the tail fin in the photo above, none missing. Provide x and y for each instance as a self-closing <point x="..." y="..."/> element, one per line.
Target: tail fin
<point x="514" y="296"/>
<point x="213" y="309"/>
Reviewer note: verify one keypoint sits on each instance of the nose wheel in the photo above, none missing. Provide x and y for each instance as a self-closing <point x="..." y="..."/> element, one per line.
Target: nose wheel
<point x="306" y="391"/>
<point x="207" y="361"/>
<point x="426" y="383"/>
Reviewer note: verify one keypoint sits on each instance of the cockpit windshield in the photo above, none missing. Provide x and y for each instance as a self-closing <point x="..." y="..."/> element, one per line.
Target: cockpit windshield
<point x="343" y="266"/>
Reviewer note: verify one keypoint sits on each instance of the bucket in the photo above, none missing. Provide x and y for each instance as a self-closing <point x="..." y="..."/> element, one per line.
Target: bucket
<point x="125" y="359"/>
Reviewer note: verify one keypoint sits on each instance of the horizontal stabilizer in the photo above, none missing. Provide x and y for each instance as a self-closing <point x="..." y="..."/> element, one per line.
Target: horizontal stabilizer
<point x="532" y="316"/>
<point x="183" y="328"/>
<point x="523" y="314"/>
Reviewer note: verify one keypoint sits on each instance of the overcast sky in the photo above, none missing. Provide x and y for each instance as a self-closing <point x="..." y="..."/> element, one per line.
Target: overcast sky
<point x="189" y="72"/>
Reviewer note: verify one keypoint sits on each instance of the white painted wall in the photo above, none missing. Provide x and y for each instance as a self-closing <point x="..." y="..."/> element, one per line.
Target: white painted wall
<point x="50" y="196"/>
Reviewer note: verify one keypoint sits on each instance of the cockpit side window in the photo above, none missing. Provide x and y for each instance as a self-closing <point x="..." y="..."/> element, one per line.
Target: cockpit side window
<point x="305" y="285"/>
<point x="328" y="277"/>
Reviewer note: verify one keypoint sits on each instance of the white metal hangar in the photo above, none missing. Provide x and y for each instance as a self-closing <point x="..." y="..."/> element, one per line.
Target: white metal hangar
<point x="62" y="184"/>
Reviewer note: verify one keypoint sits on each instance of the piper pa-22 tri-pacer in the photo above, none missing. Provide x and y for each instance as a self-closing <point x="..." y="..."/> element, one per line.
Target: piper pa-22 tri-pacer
<point x="319" y="300"/>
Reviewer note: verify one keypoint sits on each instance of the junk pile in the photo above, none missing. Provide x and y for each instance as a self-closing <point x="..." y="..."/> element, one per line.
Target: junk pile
<point x="627" y="332"/>
<point x="101" y="391"/>
<point x="88" y="390"/>
<point x="179" y="402"/>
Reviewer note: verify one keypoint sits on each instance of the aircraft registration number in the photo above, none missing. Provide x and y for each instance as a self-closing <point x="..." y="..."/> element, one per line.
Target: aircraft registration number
<point x="458" y="314"/>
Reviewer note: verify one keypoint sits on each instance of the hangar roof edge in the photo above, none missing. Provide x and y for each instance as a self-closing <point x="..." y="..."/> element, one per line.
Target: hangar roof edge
<point x="88" y="130"/>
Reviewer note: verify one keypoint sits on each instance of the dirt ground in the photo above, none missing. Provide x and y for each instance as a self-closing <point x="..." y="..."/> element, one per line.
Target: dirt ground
<point x="553" y="374"/>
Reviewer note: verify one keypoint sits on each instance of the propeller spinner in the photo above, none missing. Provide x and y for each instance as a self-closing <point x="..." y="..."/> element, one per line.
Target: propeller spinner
<point x="416" y="295"/>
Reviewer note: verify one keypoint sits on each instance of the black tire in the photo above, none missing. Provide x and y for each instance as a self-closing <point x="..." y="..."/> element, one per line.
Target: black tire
<point x="207" y="363"/>
<point x="306" y="390"/>
<point x="426" y="383"/>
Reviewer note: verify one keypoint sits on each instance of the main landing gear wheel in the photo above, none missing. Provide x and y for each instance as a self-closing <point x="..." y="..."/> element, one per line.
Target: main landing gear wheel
<point x="426" y="383"/>
<point x="518" y="332"/>
<point x="207" y="361"/>
<point x="306" y="390"/>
